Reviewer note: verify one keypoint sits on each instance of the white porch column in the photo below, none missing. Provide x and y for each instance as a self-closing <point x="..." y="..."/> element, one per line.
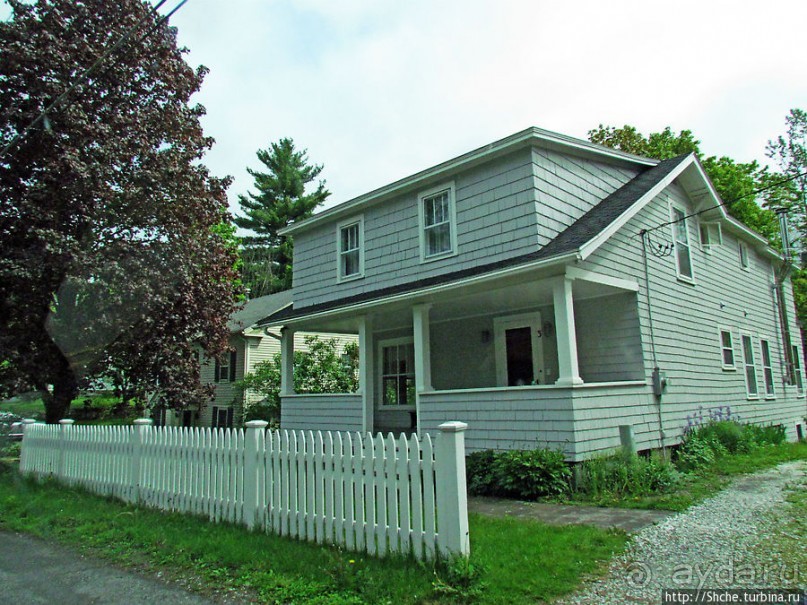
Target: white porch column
<point x="569" y="373"/>
<point x="366" y="372"/>
<point x="286" y="362"/>
<point x="423" y="362"/>
<point x="423" y="365"/>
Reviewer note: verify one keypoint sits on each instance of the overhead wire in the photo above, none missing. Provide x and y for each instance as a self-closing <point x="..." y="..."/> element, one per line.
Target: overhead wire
<point x="84" y="76"/>
<point x="726" y="203"/>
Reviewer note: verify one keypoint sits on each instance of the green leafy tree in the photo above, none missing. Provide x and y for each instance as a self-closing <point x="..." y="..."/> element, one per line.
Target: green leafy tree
<point x="320" y="369"/>
<point x="789" y="151"/>
<point x="281" y="199"/>
<point x="734" y="182"/>
<point x="108" y="219"/>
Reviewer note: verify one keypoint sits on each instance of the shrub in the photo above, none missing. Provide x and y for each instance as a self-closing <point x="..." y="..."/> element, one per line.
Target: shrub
<point x="530" y="474"/>
<point x="773" y="434"/>
<point x="525" y="474"/>
<point x="702" y="444"/>
<point x="479" y="471"/>
<point x="623" y="473"/>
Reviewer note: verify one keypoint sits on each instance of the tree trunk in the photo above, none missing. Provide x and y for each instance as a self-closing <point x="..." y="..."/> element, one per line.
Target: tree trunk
<point x="65" y="390"/>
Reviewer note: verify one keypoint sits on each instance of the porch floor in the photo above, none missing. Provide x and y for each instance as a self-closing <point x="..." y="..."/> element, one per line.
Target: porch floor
<point x="628" y="520"/>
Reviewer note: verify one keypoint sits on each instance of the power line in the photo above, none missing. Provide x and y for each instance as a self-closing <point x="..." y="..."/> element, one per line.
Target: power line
<point x="737" y="199"/>
<point x="89" y="71"/>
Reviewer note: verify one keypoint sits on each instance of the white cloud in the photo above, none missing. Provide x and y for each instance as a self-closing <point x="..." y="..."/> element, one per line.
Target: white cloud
<point x="378" y="90"/>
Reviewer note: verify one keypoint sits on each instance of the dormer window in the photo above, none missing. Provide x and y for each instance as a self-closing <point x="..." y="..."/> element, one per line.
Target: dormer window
<point x="350" y="243"/>
<point x="438" y="223"/>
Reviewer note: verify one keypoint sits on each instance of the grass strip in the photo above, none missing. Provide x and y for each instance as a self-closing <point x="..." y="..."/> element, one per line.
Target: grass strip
<point x="512" y="561"/>
<point x="707" y="481"/>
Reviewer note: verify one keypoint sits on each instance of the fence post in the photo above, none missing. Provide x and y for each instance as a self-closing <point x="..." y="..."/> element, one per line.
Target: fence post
<point x="252" y="442"/>
<point x="65" y="426"/>
<point x="452" y="498"/>
<point x="23" y="455"/>
<point x="138" y="434"/>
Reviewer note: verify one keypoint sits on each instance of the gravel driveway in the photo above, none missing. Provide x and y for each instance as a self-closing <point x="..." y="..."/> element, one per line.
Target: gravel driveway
<point x="716" y="544"/>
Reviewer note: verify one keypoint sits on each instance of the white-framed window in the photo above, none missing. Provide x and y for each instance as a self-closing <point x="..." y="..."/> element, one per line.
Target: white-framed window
<point x="438" y="223"/>
<point x="397" y="382"/>
<point x="680" y="234"/>
<point x="749" y="363"/>
<point x="711" y="236"/>
<point x="743" y="251"/>
<point x="350" y="246"/>
<point x="222" y="417"/>
<point x="767" y="367"/>
<point x="225" y="367"/>
<point x="798" y="372"/>
<point x="727" y="349"/>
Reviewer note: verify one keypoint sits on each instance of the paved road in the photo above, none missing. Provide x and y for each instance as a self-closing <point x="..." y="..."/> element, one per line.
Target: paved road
<point x="33" y="571"/>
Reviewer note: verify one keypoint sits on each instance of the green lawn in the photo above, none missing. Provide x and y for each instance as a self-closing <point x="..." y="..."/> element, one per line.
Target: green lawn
<point x="26" y="408"/>
<point x="101" y="403"/>
<point x="514" y="561"/>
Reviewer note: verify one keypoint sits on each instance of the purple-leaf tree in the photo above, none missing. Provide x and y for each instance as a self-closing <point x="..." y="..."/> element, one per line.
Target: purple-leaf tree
<point x="113" y="258"/>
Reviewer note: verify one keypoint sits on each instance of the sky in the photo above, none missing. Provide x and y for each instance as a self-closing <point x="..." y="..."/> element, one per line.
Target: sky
<point x="377" y="90"/>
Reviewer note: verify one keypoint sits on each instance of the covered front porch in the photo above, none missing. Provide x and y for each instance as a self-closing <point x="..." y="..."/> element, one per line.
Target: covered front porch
<point x="522" y="359"/>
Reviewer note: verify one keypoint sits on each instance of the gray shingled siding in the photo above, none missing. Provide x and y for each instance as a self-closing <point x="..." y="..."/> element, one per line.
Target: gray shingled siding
<point x="321" y="412"/>
<point x="501" y="419"/>
<point x="567" y="187"/>
<point x="686" y="319"/>
<point x="498" y="208"/>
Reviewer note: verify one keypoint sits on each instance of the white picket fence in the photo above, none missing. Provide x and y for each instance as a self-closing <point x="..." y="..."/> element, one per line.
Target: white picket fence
<point x="376" y="494"/>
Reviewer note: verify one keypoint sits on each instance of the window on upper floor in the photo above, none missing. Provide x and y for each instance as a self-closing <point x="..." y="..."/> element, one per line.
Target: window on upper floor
<point x="711" y="236"/>
<point x="438" y="223"/>
<point x="727" y="349"/>
<point x="743" y="249"/>
<point x="767" y="368"/>
<point x="751" y="386"/>
<point x="350" y="243"/>
<point x="680" y="233"/>
<point x="225" y="367"/>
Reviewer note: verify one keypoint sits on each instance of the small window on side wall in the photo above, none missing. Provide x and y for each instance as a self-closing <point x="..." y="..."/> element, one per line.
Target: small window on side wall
<point x="438" y="223"/>
<point x="767" y="368"/>
<point x="798" y="372"/>
<point x="751" y="385"/>
<point x="680" y="233"/>
<point x="350" y="244"/>
<point x="711" y="236"/>
<point x="743" y="249"/>
<point x="225" y="367"/>
<point x="727" y="349"/>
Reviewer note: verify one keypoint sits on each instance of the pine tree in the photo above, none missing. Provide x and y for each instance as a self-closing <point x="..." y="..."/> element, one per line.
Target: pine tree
<point x="281" y="199"/>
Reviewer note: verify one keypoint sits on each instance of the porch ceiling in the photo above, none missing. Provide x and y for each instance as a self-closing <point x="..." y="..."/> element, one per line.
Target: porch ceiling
<point x="503" y="297"/>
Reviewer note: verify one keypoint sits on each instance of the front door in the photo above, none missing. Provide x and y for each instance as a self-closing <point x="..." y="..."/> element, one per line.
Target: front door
<point x="519" y="351"/>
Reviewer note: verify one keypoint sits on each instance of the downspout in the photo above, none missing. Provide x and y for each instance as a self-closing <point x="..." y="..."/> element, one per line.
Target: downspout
<point x="656" y="370"/>
<point x="781" y="276"/>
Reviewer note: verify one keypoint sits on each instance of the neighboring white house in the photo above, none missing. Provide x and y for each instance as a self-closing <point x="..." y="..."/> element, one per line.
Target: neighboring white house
<point x="249" y="345"/>
<point x="531" y="288"/>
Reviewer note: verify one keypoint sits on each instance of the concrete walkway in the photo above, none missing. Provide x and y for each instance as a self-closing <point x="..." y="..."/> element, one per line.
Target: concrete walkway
<point x="628" y="520"/>
<point x="34" y="572"/>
